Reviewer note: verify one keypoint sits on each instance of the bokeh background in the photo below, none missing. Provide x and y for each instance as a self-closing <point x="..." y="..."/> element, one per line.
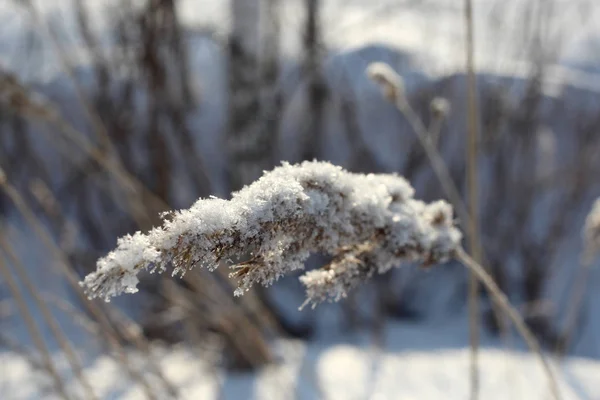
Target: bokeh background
<point x="112" y="111"/>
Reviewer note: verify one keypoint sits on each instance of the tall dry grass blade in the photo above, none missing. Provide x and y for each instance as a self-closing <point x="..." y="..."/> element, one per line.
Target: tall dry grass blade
<point x="440" y="109"/>
<point x="576" y="297"/>
<point x="473" y="193"/>
<point x="500" y="298"/>
<point x="393" y="89"/>
<point x="34" y="331"/>
<point x="591" y="246"/>
<point x="62" y="340"/>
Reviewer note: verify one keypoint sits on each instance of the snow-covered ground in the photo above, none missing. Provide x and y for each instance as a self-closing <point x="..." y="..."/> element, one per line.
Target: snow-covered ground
<point x="342" y="370"/>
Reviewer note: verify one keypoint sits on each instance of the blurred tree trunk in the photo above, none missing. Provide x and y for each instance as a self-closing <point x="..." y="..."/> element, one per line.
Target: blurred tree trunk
<point x="246" y="142"/>
<point x="317" y="87"/>
<point x="271" y="102"/>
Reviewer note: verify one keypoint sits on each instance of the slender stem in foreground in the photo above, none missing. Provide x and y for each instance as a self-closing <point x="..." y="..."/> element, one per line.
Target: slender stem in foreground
<point x="500" y="298"/>
<point x="435" y="159"/>
<point x="473" y="193"/>
<point x="576" y="298"/>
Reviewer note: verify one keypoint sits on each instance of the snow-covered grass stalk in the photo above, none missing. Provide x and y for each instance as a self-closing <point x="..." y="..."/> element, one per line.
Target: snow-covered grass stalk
<point x="367" y="223"/>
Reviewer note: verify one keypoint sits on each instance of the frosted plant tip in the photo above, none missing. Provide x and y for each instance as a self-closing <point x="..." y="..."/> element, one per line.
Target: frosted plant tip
<point x="440" y="107"/>
<point x="388" y="80"/>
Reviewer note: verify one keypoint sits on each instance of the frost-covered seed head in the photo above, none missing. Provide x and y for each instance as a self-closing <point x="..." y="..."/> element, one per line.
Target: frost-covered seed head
<point x="391" y="84"/>
<point x="367" y="223"/>
<point x="440" y="107"/>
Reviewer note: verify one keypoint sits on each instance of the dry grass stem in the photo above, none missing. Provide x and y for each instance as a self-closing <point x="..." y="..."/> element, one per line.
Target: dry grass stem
<point x="500" y="298"/>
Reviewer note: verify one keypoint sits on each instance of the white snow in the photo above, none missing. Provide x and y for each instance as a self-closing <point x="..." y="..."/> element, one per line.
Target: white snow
<point x="339" y="371"/>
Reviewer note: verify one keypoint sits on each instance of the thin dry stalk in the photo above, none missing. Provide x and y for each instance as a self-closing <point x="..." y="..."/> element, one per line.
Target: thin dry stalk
<point x="107" y="330"/>
<point x="393" y="90"/>
<point x="440" y="108"/>
<point x="62" y="340"/>
<point x="578" y="292"/>
<point x="473" y="190"/>
<point x="33" y="330"/>
<point x="591" y="237"/>
<point x="500" y="298"/>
